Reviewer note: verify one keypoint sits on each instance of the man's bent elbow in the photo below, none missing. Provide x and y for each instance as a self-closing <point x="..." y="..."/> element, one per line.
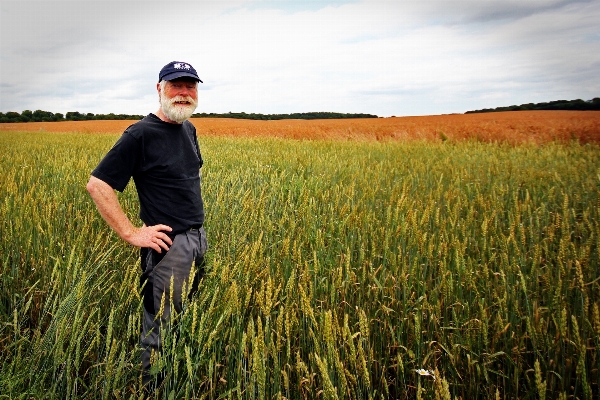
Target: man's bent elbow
<point x="91" y="186"/>
<point x="95" y="185"/>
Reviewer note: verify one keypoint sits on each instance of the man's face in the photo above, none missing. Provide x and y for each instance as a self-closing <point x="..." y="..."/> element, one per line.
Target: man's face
<point x="179" y="99"/>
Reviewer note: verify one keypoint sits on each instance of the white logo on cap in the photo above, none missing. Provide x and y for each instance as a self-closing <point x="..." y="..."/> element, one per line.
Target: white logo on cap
<point x="181" y="66"/>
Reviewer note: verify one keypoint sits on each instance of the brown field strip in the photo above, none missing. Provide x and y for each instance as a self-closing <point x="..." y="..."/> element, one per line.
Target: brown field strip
<point x="503" y="127"/>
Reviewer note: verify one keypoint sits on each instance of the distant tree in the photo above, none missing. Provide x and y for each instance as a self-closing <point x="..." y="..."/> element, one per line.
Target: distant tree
<point x="26" y="116"/>
<point x="12" y="116"/>
<point x="38" y="115"/>
<point x="42" y="116"/>
<point x="74" y="116"/>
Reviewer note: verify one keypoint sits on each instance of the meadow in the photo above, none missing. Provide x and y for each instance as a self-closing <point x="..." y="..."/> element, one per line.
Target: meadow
<point x="402" y="259"/>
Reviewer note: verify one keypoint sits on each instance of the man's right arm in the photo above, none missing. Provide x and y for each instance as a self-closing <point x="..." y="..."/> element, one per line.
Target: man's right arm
<point x="108" y="205"/>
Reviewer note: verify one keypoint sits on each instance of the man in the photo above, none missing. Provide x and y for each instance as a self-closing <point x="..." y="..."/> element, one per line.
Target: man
<point x="161" y="153"/>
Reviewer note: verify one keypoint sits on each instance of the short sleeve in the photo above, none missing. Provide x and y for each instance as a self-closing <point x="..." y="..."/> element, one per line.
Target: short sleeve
<point x="119" y="164"/>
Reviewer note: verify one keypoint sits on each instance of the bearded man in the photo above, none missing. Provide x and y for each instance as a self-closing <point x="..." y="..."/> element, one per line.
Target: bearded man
<point x="161" y="154"/>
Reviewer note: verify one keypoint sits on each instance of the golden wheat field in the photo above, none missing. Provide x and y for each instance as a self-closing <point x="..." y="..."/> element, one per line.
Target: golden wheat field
<point x="501" y="127"/>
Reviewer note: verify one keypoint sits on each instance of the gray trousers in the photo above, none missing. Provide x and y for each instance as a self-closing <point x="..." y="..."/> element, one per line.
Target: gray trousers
<point x="159" y="269"/>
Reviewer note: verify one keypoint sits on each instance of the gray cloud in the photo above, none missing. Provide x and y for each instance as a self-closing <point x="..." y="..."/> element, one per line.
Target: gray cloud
<point x="381" y="57"/>
<point x="477" y="11"/>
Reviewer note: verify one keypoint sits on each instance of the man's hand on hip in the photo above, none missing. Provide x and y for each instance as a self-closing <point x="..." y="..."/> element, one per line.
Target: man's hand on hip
<point x="151" y="236"/>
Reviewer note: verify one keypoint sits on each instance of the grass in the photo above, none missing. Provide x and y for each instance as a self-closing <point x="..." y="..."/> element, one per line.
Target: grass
<point x="336" y="270"/>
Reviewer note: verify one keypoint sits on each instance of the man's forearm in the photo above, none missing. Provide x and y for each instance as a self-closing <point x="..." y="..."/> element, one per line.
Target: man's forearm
<point x="108" y="205"/>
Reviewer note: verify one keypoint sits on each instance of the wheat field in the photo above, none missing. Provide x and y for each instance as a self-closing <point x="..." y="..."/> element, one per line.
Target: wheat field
<point x="349" y="267"/>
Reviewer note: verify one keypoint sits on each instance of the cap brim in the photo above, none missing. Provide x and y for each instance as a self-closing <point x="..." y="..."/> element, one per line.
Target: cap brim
<point x="182" y="74"/>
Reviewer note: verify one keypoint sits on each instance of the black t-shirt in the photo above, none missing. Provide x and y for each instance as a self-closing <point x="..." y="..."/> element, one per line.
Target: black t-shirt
<point x="164" y="160"/>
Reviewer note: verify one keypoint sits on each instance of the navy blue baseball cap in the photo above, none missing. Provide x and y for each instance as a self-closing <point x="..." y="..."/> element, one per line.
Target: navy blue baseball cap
<point x="177" y="69"/>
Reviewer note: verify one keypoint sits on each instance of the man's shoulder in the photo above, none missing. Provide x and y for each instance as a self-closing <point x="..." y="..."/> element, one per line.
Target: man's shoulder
<point x="188" y="125"/>
<point x="138" y="128"/>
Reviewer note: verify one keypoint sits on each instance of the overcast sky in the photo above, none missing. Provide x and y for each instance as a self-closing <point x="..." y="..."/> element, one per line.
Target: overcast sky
<point x="380" y="57"/>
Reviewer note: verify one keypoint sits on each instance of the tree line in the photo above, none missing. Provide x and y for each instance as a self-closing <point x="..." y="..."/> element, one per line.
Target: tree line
<point x="572" y="105"/>
<point x="47" y="116"/>
<point x="306" y="115"/>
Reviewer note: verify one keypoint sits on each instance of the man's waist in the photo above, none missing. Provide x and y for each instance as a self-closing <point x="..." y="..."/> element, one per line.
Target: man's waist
<point x="195" y="227"/>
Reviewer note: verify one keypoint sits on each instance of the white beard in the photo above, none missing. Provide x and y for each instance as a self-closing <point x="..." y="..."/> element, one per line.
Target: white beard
<point x="177" y="112"/>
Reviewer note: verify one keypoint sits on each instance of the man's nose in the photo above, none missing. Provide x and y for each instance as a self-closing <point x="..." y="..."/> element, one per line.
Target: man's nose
<point x="186" y="91"/>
